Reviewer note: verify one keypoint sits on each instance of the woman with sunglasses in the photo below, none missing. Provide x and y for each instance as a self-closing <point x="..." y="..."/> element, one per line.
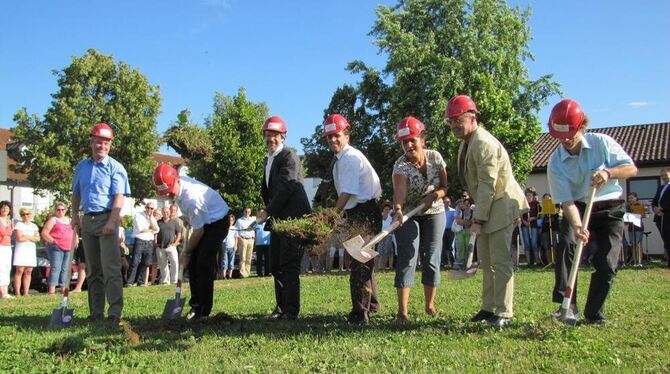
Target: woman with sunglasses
<point x="58" y="235"/>
<point x="25" y="256"/>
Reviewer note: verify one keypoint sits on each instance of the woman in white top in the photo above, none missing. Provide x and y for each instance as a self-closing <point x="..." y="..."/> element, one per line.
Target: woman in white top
<point x="6" y="229"/>
<point x="25" y="256"/>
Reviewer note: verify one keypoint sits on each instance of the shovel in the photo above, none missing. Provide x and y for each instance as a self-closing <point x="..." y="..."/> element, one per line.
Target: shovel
<point x="567" y="295"/>
<point x="470" y="270"/>
<point x="363" y="252"/>
<point x="174" y="307"/>
<point x="62" y="317"/>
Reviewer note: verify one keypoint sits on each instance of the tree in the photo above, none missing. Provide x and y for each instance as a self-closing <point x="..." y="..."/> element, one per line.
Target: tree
<point x="227" y="154"/>
<point x="436" y="49"/>
<point x="93" y="88"/>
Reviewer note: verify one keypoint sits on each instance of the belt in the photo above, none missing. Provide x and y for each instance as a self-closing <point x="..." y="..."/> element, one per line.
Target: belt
<point x="93" y="214"/>
<point x="604" y="204"/>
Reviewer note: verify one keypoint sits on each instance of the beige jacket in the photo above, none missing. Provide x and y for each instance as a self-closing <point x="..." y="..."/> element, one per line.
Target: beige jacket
<point x="489" y="179"/>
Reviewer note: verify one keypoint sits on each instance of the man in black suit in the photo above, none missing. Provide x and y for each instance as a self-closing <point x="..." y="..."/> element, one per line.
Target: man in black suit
<point x="661" y="206"/>
<point x="284" y="197"/>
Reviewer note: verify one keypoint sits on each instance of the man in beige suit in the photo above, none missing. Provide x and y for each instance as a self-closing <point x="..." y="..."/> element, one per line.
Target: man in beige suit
<point x="485" y="171"/>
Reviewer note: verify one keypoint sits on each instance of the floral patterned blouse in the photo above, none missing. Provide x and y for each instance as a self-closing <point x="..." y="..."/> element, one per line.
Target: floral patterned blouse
<point x="418" y="184"/>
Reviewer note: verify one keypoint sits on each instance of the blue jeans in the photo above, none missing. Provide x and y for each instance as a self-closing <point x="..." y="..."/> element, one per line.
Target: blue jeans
<point x="530" y="244"/>
<point x="228" y="258"/>
<point x="420" y="236"/>
<point x="58" y="259"/>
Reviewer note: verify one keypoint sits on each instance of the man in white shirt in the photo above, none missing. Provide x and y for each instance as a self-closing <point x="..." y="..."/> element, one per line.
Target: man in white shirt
<point x="206" y="212"/>
<point x="145" y="227"/>
<point x="358" y="187"/>
<point x="245" y="240"/>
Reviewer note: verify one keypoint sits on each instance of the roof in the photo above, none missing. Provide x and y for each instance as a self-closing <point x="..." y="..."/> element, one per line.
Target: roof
<point x="647" y="145"/>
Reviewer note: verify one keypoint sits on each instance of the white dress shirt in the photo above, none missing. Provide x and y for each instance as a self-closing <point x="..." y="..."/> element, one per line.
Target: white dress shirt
<point x="354" y="175"/>
<point x="141" y="223"/>
<point x="242" y="224"/>
<point x="268" y="164"/>
<point x="200" y="203"/>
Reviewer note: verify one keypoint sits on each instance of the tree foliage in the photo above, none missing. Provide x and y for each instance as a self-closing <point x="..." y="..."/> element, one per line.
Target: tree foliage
<point x="93" y="88"/>
<point x="437" y="49"/>
<point x="227" y="153"/>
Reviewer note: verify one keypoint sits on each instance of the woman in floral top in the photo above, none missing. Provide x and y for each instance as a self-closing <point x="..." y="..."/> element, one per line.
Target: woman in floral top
<point x="419" y="177"/>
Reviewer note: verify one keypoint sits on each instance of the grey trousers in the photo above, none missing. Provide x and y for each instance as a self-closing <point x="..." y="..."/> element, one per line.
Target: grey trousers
<point x="103" y="265"/>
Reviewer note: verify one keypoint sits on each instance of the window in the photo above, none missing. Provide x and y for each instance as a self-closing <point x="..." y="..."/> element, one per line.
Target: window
<point x="645" y="187"/>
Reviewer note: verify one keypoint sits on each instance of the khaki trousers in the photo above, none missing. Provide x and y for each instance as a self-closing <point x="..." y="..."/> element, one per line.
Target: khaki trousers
<point x="246" y="250"/>
<point x="496" y="262"/>
<point x="103" y="267"/>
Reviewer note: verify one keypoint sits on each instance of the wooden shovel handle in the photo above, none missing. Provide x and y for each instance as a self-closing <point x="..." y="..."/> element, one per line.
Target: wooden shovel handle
<point x="394" y="226"/>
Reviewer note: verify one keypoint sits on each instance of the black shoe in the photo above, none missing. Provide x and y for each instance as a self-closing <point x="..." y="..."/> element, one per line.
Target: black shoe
<point x="193" y="316"/>
<point x="114" y="320"/>
<point x="358" y="319"/>
<point x="95" y="318"/>
<point x="288" y="317"/>
<point x="596" y="321"/>
<point x="275" y="315"/>
<point x="482" y="315"/>
<point x="498" y="321"/>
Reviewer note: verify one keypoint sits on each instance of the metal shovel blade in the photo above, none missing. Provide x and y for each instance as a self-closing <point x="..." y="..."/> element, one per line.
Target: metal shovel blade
<point x="357" y="249"/>
<point x="173" y="308"/>
<point x="462" y="274"/>
<point x="61" y="318"/>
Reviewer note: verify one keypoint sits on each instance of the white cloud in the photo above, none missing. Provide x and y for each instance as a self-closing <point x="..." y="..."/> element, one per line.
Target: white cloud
<point x="638" y="104"/>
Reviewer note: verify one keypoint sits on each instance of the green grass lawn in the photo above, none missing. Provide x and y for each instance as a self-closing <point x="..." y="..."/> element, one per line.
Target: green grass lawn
<point x="637" y="339"/>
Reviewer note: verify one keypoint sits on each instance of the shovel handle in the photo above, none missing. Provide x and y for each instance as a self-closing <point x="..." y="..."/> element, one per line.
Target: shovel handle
<point x="394" y="226"/>
<point x="578" y="255"/>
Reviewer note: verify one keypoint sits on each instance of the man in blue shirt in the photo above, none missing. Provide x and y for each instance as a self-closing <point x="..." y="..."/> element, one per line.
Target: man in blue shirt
<point x="448" y="237"/>
<point x="580" y="162"/>
<point x="100" y="185"/>
<point x="262" y="245"/>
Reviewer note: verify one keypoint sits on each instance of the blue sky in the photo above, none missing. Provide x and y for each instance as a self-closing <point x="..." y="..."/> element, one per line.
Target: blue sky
<point x="612" y="56"/>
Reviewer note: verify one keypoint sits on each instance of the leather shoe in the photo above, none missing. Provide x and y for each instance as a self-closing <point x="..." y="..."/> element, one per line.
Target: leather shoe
<point x="275" y="315"/>
<point x="114" y="320"/>
<point x="499" y="321"/>
<point x="193" y="316"/>
<point x="358" y="319"/>
<point x="596" y="321"/>
<point x="288" y="317"/>
<point x="482" y="315"/>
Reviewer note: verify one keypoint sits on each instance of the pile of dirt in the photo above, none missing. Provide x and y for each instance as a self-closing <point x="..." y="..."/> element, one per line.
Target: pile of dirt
<point x="311" y="232"/>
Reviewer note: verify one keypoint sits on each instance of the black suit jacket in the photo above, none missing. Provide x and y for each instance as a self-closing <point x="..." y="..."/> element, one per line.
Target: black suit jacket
<point x="664" y="204"/>
<point x="285" y="196"/>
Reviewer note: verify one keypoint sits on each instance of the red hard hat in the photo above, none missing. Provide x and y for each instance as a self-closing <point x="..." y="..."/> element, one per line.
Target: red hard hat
<point x="102" y="130"/>
<point x="334" y="124"/>
<point x="460" y="104"/>
<point x="409" y="128"/>
<point x="165" y="177"/>
<point x="276" y="124"/>
<point x="566" y="118"/>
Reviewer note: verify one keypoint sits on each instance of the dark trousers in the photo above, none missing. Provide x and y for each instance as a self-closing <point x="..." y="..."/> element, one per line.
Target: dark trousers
<point x="606" y="235"/>
<point x="202" y="266"/>
<point x="142" y="256"/>
<point x="285" y="260"/>
<point x="664" y="229"/>
<point x="362" y="282"/>
<point x="447" y="250"/>
<point x="262" y="260"/>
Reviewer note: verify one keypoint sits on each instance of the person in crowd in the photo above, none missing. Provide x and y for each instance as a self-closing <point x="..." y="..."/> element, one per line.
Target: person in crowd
<point x="387" y="246"/>
<point x="419" y="178"/>
<point x="246" y="235"/>
<point x="462" y="224"/>
<point x="80" y="259"/>
<point x="284" y="197"/>
<point x="358" y="187"/>
<point x="262" y="245"/>
<point x="228" y="250"/>
<point x="167" y="240"/>
<point x="581" y="162"/>
<point x="634" y="232"/>
<point x="529" y="230"/>
<point x="100" y="185"/>
<point x="145" y="227"/>
<point x="661" y="205"/>
<point x="25" y="252"/>
<point x="485" y="170"/>
<point x="549" y="229"/>
<point x="448" y="237"/>
<point x="336" y="247"/>
<point x="6" y="230"/>
<point x="205" y="211"/>
<point x="174" y="215"/>
<point x="58" y="235"/>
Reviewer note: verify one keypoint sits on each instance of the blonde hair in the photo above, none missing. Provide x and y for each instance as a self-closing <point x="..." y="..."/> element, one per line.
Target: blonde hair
<point x="24" y="210"/>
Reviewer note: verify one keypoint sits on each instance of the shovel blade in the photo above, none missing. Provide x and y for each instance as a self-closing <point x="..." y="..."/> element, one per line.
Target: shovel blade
<point x="61" y="318"/>
<point x="462" y="274"/>
<point x="357" y="249"/>
<point x="173" y="308"/>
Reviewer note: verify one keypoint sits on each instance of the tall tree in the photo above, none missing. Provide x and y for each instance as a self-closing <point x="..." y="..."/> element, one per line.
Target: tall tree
<point x="227" y="154"/>
<point x="93" y="88"/>
<point x="439" y="48"/>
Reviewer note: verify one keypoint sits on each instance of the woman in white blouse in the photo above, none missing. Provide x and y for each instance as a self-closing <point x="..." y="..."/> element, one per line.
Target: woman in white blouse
<point x="25" y="256"/>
